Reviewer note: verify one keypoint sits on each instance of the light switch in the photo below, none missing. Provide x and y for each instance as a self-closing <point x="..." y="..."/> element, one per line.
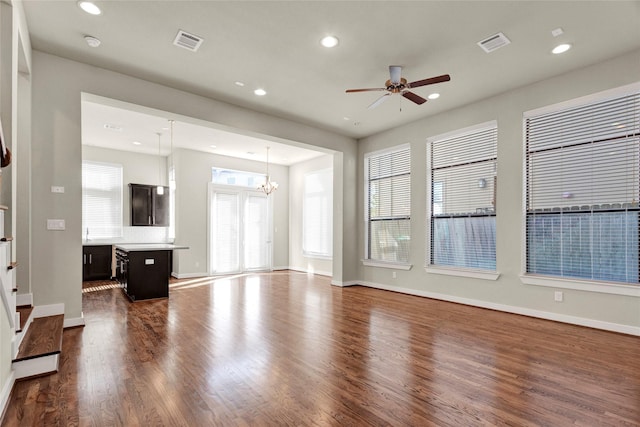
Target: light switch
<point x="57" y="189"/>
<point x="55" y="224"/>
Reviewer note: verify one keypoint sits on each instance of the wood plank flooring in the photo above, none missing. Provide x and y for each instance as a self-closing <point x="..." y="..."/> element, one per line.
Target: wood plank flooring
<point x="43" y="338"/>
<point x="289" y="349"/>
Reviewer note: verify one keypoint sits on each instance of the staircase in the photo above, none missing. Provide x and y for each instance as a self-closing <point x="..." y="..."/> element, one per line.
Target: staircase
<point x="37" y="342"/>
<point x="39" y="347"/>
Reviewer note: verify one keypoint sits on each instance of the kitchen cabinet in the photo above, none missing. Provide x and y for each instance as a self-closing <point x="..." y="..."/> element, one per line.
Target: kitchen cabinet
<point x="143" y="270"/>
<point x="96" y="262"/>
<point x="148" y="208"/>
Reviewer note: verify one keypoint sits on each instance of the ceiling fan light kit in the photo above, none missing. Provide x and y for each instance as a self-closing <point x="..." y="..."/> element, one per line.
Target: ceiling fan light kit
<point x="398" y="84"/>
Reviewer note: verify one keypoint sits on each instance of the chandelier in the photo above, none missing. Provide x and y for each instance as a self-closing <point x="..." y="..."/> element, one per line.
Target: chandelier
<point x="269" y="186"/>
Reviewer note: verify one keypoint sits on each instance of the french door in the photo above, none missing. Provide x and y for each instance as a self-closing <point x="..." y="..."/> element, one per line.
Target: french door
<point x="239" y="230"/>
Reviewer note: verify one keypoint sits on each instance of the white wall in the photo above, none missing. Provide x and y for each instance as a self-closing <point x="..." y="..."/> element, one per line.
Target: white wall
<point x="619" y="312"/>
<point x="57" y="87"/>
<point x="193" y="173"/>
<point x="297" y="260"/>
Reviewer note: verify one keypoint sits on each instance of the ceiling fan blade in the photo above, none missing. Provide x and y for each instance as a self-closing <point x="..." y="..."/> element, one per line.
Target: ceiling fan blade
<point x="366" y="90"/>
<point x="430" y="81"/>
<point x="378" y="101"/>
<point x="395" y="73"/>
<point x="413" y="97"/>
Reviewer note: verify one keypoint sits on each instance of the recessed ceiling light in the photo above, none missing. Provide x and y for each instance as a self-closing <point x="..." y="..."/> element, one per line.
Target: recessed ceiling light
<point x="92" y="41"/>
<point x="434" y="96"/>
<point x="260" y="92"/>
<point x="251" y="153"/>
<point x="89" y="7"/>
<point x="137" y="143"/>
<point x="213" y="146"/>
<point x="329" y="41"/>
<point x="239" y="83"/>
<point x="346" y="118"/>
<point x="561" y="48"/>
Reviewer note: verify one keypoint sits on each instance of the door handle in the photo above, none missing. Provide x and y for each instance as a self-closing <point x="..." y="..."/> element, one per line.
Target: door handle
<point x="84" y="258"/>
<point x="89" y="258"/>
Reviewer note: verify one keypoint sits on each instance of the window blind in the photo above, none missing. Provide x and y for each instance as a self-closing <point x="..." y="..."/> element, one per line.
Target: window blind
<point x="463" y="198"/>
<point x="101" y="200"/>
<point x="582" y="190"/>
<point x="388" y="210"/>
<point x="256" y="226"/>
<point x="317" y="212"/>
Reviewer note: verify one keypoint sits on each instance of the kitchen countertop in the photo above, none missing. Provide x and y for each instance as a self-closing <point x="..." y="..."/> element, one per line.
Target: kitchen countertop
<point x="149" y="247"/>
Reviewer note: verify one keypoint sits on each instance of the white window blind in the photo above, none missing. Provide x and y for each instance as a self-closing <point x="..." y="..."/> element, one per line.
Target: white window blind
<point x="225" y="232"/>
<point x="101" y="200"/>
<point x="462" y="198"/>
<point x="582" y="190"/>
<point x="256" y="235"/>
<point x="388" y="210"/>
<point x="317" y="211"/>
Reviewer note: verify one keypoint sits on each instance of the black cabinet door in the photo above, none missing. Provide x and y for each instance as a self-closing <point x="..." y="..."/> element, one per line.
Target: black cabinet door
<point x="140" y="204"/>
<point x="147" y="275"/>
<point x="96" y="262"/>
<point x="161" y="208"/>
<point x="148" y="208"/>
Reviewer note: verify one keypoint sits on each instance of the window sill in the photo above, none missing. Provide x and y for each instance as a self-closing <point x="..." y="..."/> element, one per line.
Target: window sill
<point x="581" y="285"/>
<point x="317" y="256"/>
<point x="384" y="264"/>
<point x="475" y="274"/>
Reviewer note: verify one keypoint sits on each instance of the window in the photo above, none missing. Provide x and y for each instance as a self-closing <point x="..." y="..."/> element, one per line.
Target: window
<point x="317" y="208"/>
<point x="238" y="178"/>
<point x="582" y="189"/>
<point x="388" y="208"/>
<point x="462" y="187"/>
<point x="101" y="200"/>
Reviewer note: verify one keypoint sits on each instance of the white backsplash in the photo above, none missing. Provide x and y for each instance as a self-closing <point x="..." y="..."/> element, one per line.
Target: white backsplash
<point x="136" y="235"/>
<point x="146" y="234"/>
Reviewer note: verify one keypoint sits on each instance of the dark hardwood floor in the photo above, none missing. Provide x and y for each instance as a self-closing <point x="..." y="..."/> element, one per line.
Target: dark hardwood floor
<point x="289" y="349"/>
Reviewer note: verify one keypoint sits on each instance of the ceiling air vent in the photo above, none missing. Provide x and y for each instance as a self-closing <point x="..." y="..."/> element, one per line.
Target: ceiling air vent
<point x="187" y="41"/>
<point x="494" y="42"/>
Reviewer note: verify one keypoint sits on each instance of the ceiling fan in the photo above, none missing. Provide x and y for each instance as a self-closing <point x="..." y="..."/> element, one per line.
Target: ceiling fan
<point x="398" y="84"/>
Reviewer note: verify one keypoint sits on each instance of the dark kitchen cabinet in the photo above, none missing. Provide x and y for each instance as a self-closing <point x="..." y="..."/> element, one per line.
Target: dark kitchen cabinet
<point x="148" y="208"/>
<point x="144" y="274"/>
<point x="96" y="262"/>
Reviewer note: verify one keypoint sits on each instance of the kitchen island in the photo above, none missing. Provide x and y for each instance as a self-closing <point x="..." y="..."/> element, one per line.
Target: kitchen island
<point x="143" y="270"/>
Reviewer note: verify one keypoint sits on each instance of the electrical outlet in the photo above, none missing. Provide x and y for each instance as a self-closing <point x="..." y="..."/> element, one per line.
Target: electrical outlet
<point x="393" y="274"/>
<point x="57" y="189"/>
<point x="558" y="296"/>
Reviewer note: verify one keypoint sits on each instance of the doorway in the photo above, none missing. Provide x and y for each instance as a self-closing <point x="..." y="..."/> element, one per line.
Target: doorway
<point x="239" y="230"/>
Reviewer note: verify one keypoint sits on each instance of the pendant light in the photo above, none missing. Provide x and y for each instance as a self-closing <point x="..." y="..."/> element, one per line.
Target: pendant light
<point x="159" y="188"/>
<point x="269" y="186"/>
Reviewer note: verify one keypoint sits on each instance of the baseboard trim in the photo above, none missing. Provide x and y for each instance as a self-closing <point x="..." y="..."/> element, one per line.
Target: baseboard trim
<point x="74" y="322"/>
<point x="302" y="270"/>
<point x="48" y="310"/>
<point x="564" y="318"/>
<point x="24" y="299"/>
<point x="6" y="394"/>
<point x="188" y="275"/>
<point x="344" y="284"/>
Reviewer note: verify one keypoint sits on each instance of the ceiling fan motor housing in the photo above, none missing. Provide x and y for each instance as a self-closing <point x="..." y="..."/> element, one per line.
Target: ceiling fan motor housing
<point x="396" y="87"/>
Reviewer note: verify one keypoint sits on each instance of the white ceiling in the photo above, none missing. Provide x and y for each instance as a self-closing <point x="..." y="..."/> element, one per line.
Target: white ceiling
<point x="114" y="125"/>
<point x="275" y="45"/>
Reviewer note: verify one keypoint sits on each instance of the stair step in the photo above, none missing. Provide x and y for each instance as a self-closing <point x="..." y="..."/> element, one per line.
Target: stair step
<point x="43" y="338"/>
<point x="25" y="312"/>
